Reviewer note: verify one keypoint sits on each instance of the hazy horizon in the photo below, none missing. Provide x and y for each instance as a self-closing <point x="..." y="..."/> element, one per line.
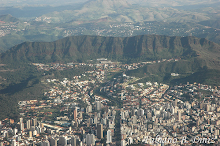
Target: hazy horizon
<point x="5" y="3"/>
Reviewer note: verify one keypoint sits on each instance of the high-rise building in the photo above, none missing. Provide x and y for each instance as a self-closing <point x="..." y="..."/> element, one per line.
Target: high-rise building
<point x="134" y="119"/>
<point x="80" y="143"/>
<point x="98" y="105"/>
<point x="21" y="120"/>
<point x="62" y="141"/>
<point x="15" y="131"/>
<point x="104" y="121"/>
<point x="90" y="139"/>
<point x="13" y="143"/>
<point x="95" y="121"/>
<point x="53" y="141"/>
<point x="75" y="114"/>
<point x="30" y="134"/>
<point x="80" y="115"/>
<point x="21" y="126"/>
<point x="175" y="102"/>
<point x="109" y="137"/>
<point x="100" y="131"/>
<point x="45" y="143"/>
<point x="201" y="105"/>
<point x="149" y="115"/>
<point x="179" y="115"/>
<point x="208" y="107"/>
<point x="73" y="141"/>
<point x="140" y="112"/>
<point x="130" y="140"/>
<point x="122" y="142"/>
<point x="122" y="115"/>
<point x="28" y="124"/>
<point x="89" y="109"/>
<point x="34" y="132"/>
<point x="34" y="122"/>
<point x="18" y="138"/>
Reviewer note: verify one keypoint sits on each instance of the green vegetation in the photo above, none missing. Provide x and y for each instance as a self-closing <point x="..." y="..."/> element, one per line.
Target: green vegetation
<point x="162" y="74"/>
<point x="24" y="83"/>
<point x="198" y="62"/>
<point x="128" y="49"/>
<point x="21" y="84"/>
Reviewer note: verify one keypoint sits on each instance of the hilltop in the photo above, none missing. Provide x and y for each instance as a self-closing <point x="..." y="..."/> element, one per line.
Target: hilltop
<point x="8" y="18"/>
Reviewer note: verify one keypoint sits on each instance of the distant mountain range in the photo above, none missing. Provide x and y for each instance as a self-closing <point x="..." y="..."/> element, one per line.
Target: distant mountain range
<point x="138" y="48"/>
<point x="123" y="11"/>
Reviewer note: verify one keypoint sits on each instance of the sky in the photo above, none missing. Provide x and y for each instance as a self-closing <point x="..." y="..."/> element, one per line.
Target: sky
<point x="4" y="3"/>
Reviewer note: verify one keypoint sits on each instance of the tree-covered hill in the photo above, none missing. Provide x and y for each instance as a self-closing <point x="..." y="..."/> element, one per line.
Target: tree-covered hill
<point x="137" y="48"/>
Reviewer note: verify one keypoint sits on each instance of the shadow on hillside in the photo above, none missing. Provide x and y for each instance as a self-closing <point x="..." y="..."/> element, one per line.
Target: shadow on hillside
<point x="11" y="89"/>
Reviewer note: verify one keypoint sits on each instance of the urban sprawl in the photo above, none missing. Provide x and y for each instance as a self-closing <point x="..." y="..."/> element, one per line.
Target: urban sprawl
<point x="93" y="109"/>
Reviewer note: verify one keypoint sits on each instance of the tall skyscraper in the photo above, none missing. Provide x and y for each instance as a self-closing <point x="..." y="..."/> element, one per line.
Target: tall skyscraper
<point x="100" y="131"/>
<point x="73" y="141"/>
<point x="28" y="124"/>
<point x="98" y="105"/>
<point x="21" y="120"/>
<point x="109" y="137"/>
<point x="75" y="114"/>
<point x="122" y="115"/>
<point x="34" y="122"/>
<point x="179" y="115"/>
<point x="21" y="126"/>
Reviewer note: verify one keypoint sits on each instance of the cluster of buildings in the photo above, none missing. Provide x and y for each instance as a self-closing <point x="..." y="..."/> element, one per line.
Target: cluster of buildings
<point x="7" y="28"/>
<point x="44" y="19"/>
<point x="89" y="110"/>
<point x="101" y="63"/>
<point x="155" y="113"/>
<point x="70" y="115"/>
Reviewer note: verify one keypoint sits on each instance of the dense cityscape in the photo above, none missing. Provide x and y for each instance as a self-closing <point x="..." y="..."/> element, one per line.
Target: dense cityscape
<point x="109" y="73"/>
<point x="94" y="109"/>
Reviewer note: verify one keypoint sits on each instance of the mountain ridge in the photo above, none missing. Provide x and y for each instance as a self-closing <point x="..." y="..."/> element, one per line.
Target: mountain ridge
<point x="142" y="47"/>
<point x="8" y="18"/>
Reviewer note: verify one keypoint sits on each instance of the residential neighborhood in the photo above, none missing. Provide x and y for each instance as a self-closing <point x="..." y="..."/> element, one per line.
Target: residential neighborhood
<point x="94" y="109"/>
